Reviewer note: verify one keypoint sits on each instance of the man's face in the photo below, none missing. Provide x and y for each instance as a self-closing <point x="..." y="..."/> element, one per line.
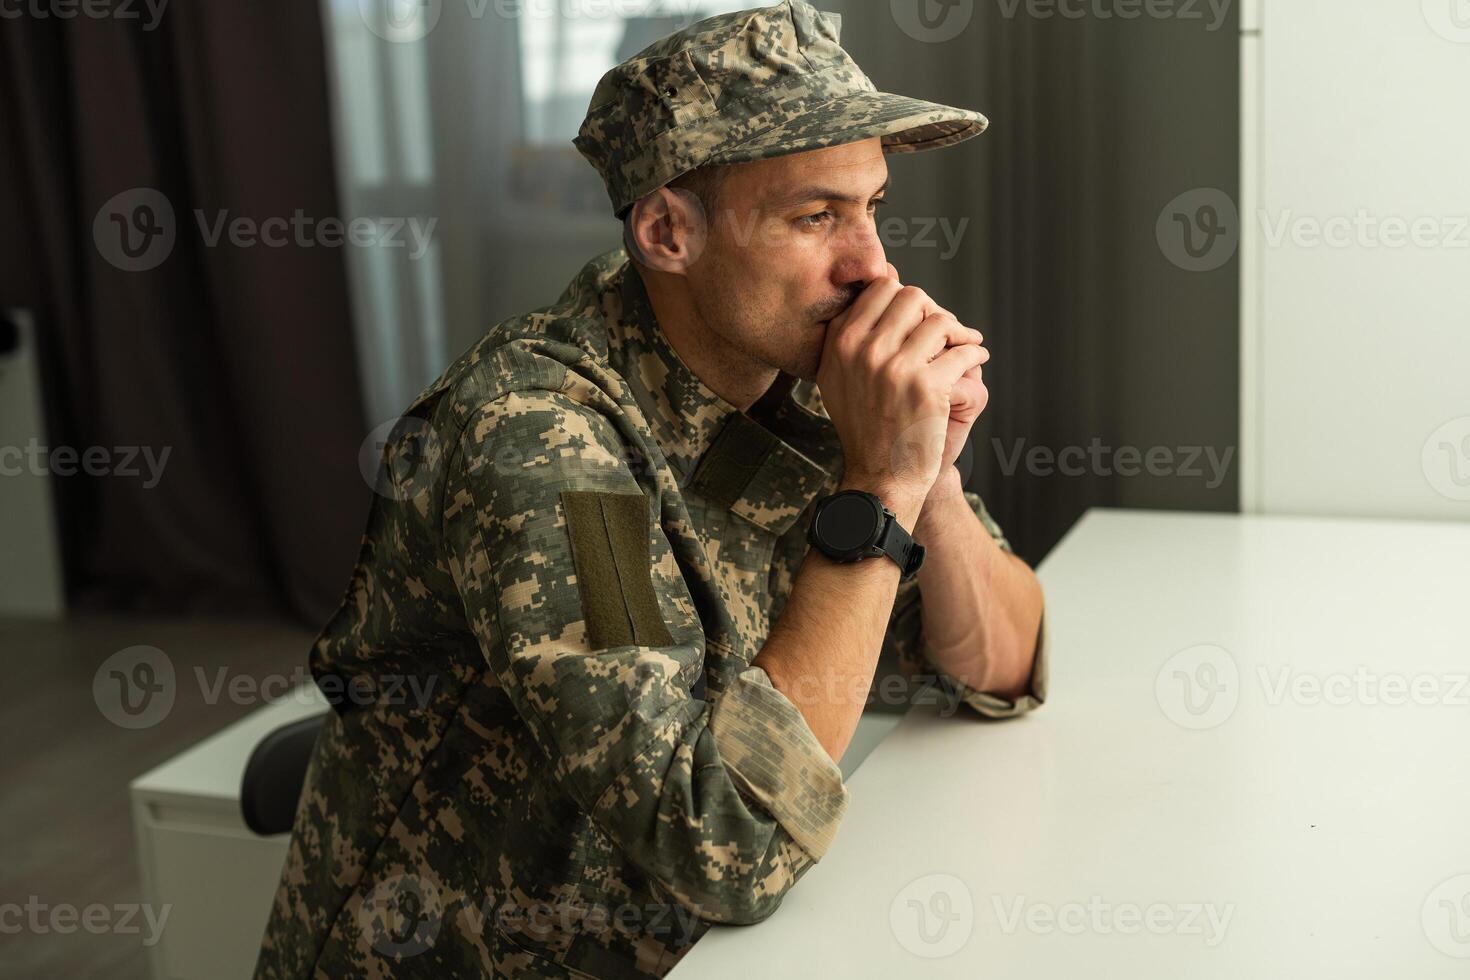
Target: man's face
<point x="791" y="243"/>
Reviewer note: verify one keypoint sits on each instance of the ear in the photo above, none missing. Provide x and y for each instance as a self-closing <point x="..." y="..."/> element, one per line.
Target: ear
<point x="667" y="230"/>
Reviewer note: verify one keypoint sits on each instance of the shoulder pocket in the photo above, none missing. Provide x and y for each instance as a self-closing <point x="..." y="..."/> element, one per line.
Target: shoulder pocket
<point x="609" y="534"/>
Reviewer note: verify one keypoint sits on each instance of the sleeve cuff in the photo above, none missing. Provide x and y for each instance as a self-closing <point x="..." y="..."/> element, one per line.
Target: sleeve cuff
<point x="774" y="758"/>
<point x="993" y="705"/>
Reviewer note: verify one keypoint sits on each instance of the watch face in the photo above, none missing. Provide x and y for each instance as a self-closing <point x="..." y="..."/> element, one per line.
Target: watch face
<point x="848" y="523"/>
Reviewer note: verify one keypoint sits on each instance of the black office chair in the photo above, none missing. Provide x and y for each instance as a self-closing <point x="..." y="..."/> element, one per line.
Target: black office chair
<point x="275" y="774"/>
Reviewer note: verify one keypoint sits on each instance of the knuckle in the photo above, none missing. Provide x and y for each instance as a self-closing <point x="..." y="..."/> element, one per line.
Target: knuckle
<point x="890" y="371"/>
<point x="872" y="361"/>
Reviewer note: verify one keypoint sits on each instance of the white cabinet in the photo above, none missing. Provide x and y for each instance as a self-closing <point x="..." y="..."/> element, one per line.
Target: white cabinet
<point x="199" y="862"/>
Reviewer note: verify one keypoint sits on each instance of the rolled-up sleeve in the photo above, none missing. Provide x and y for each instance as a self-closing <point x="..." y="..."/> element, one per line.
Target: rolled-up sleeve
<point x="558" y="558"/>
<point x="905" y="639"/>
<point x="775" y="758"/>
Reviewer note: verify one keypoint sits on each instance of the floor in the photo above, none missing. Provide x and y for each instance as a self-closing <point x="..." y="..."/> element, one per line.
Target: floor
<point x="66" y="840"/>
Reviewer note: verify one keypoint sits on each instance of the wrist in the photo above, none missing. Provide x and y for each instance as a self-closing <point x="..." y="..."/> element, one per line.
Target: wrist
<point x="947" y="490"/>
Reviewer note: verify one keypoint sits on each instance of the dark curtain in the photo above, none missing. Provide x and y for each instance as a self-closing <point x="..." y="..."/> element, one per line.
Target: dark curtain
<point x="236" y="361"/>
<point x="1096" y="121"/>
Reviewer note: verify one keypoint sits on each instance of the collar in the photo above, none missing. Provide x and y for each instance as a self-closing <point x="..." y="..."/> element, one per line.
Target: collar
<point x="725" y="455"/>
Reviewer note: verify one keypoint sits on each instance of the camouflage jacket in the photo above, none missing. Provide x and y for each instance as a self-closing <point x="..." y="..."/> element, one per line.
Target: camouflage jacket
<point x="548" y="753"/>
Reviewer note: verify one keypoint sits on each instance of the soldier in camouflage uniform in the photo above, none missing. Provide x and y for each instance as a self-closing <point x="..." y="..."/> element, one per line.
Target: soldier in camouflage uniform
<point x="549" y="752"/>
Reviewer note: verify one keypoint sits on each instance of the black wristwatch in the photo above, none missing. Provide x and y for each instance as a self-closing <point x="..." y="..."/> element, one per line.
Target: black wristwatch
<point x="852" y="524"/>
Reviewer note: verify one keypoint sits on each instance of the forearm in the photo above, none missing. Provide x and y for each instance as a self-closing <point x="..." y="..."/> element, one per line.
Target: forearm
<point x="982" y="606"/>
<point x="823" y="651"/>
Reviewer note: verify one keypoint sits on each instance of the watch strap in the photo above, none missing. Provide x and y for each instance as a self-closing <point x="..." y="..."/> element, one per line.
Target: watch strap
<point x="899" y="545"/>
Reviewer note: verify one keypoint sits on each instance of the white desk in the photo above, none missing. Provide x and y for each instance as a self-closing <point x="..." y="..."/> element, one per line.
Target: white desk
<point x="1335" y="836"/>
<point x="215" y="876"/>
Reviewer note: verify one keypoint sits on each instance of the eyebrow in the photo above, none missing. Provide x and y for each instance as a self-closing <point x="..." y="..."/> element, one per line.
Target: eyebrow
<point x="803" y="195"/>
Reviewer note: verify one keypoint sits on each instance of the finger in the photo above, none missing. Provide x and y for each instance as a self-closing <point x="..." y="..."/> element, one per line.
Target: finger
<point x="937" y="332"/>
<point x="909" y="308"/>
<point x="967" y="399"/>
<point x="974" y="376"/>
<point x="976" y="371"/>
<point x="865" y="310"/>
<point x="949" y="366"/>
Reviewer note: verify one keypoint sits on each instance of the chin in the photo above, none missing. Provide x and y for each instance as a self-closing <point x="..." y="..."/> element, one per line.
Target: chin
<point x="807" y="369"/>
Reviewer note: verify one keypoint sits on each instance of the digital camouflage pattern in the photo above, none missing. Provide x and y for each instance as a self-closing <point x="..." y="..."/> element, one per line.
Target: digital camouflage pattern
<point x="742" y="86"/>
<point x="517" y="801"/>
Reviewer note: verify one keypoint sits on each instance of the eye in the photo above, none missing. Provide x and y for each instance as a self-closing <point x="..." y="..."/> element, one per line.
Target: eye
<point x="876" y="203"/>
<point x="815" y="220"/>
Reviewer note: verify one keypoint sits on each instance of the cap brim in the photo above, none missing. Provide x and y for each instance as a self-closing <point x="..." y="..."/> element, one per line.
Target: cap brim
<point x="906" y="126"/>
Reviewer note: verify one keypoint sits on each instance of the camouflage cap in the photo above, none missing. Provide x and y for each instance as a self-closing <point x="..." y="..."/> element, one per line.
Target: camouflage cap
<point x="743" y="86"/>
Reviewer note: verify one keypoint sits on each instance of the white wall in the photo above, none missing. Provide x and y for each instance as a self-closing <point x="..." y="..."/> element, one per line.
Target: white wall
<point x="30" y="575"/>
<point x="1356" y="354"/>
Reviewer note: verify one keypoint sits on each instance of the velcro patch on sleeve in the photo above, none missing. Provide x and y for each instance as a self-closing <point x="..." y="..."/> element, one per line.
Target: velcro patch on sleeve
<point x="609" y="535"/>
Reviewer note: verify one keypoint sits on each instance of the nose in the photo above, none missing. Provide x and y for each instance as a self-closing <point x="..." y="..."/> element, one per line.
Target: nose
<point x="859" y="258"/>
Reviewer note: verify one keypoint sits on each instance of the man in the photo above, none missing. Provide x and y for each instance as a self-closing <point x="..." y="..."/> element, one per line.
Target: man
<point x="601" y="676"/>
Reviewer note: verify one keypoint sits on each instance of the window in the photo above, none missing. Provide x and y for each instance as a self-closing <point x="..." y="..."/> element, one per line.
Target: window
<point x="566" y="45"/>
